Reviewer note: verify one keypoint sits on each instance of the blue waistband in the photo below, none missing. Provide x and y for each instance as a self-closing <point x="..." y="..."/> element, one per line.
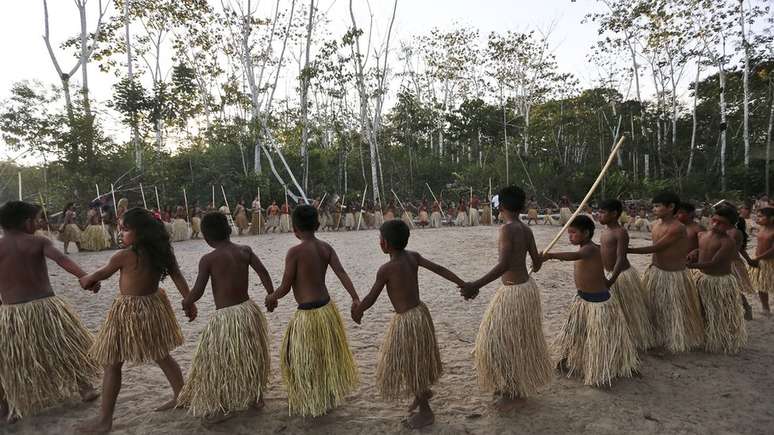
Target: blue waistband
<point x="594" y="297"/>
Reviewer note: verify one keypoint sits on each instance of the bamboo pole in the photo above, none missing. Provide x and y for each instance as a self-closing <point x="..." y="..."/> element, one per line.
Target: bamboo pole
<point x="362" y="204"/>
<point x="341" y="212"/>
<point x="45" y="214"/>
<point x="213" y="197"/>
<point x="440" y="206"/>
<point x="158" y="203"/>
<point x="322" y="200"/>
<point x="401" y="206"/>
<point x="20" y="188"/>
<point x="470" y="206"/>
<point x="142" y="192"/>
<point x="187" y="215"/>
<point x="225" y="199"/>
<point x="115" y="204"/>
<point x="587" y="197"/>
<point x="99" y="210"/>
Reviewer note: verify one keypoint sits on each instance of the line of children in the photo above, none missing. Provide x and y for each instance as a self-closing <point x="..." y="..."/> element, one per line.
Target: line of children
<point x="231" y="364"/>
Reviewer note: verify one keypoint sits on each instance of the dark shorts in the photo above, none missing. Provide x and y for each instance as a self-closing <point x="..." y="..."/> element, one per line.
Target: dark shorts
<point x="594" y="297"/>
<point x="314" y="305"/>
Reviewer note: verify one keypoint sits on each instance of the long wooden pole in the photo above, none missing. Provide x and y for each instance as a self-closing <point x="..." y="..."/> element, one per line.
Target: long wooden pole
<point x="99" y="210"/>
<point x="213" y="198"/>
<point x="341" y="211"/>
<point x="142" y="192"/>
<point x="588" y="195"/>
<point x="321" y="201"/>
<point x="20" y="188"/>
<point x="470" y="206"/>
<point x="158" y="203"/>
<point x="187" y="215"/>
<point x="440" y="207"/>
<point x="401" y="206"/>
<point x="115" y="204"/>
<point x="45" y="214"/>
<point x="362" y="204"/>
<point x="223" y="190"/>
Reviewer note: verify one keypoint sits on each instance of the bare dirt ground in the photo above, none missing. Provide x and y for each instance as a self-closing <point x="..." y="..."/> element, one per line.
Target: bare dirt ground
<point x="687" y="393"/>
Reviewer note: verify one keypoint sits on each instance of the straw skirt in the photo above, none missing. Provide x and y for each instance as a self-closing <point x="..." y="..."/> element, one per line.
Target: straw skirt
<point x="724" y="326"/>
<point x="739" y="269"/>
<point x="256" y="225"/>
<point x="231" y="365"/>
<point x="435" y="220"/>
<point x="317" y="366"/>
<point x="564" y="215"/>
<point x="595" y="343"/>
<point x="763" y="276"/>
<point x="45" y="360"/>
<point x="95" y="238"/>
<point x="462" y="219"/>
<point x="284" y="223"/>
<point x="70" y="233"/>
<point x="630" y="295"/>
<point x="474" y="217"/>
<point x="179" y="230"/>
<point x="196" y="225"/>
<point x="675" y="310"/>
<point x="241" y="221"/>
<point x="409" y="360"/>
<point x="511" y="354"/>
<point x="137" y="329"/>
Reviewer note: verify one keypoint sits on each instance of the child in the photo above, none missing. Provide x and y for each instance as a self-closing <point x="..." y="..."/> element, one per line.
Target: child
<point x="180" y="225"/>
<point x="44" y="345"/>
<point x="724" y="327"/>
<point x="317" y="365"/>
<point x="70" y="232"/>
<point x="686" y="214"/>
<point x="95" y="237"/>
<point x="595" y="342"/>
<point x="231" y="366"/>
<point x="140" y="325"/>
<point x="284" y="218"/>
<point x="627" y="287"/>
<point x="410" y="362"/>
<point x="511" y="353"/>
<point x="240" y="217"/>
<point x="763" y="275"/>
<point x="674" y="303"/>
<point x="740" y="262"/>
<point x="196" y="222"/>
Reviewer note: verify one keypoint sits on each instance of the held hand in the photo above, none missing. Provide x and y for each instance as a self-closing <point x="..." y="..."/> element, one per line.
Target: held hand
<point x="270" y="302"/>
<point x="609" y="283"/>
<point x="693" y="256"/>
<point x="357" y="314"/>
<point x="468" y="290"/>
<point x="96" y="287"/>
<point x="536" y="265"/>
<point x="85" y="283"/>
<point x="191" y="312"/>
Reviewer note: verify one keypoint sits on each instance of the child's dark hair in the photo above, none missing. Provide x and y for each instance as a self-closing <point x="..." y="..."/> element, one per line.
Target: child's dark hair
<point x="306" y="218"/>
<point x="686" y="207"/>
<point x="728" y="213"/>
<point x="613" y="205"/>
<point x="151" y="241"/>
<point x="583" y="223"/>
<point x="768" y="212"/>
<point x="14" y="213"/>
<point x="512" y="199"/>
<point x="666" y="198"/>
<point x="67" y="207"/>
<point x="396" y="233"/>
<point x="215" y="226"/>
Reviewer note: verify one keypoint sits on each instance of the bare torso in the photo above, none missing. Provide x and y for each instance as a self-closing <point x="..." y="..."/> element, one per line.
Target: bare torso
<point x="672" y="258"/>
<point x="135" y="280"/>
<point x="589" y="275"/>
<point x="229" y="270"/>
<point x="402" y="282"/>
<point x="712" y="244"/>
<point x="520" y="237"/>
<point x="765" y="238"/>
<point x="23" y="268"/>
<point x="312" y="258"/>
<point x="692" y="231"/>
<point x="608" y="246"/>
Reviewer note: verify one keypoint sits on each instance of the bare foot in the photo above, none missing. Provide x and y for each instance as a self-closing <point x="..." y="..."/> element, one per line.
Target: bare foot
<point x="167" y="406"/>
<point x="95" y="426"/>
<point x="429" y="395"/>
<point x="89" y="394"/>
<point x="508" y="404"/>
<point x="419" y="420"/>
<point x="216" y="418"/>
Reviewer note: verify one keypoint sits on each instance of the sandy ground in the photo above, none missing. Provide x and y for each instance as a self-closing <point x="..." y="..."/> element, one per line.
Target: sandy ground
<point x="687" y="393"/>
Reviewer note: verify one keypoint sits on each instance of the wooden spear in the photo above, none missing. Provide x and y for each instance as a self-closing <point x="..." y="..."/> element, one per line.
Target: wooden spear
<point x="440" y="207"/>
<point x="401" y="206"/>
<point x="362" y="204"/>
<point x="142" y="192"/>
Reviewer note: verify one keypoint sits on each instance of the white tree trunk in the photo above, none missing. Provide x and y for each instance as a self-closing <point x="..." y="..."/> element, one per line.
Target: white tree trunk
<point x="768" y="133"/>
<point x="305" y="99"/>
<point x="746" y="84"/>
<point x="724" y="125"/>
<point x="695" y="119"/>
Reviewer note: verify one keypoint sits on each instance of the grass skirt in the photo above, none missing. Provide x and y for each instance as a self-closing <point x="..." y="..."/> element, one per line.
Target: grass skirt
<point x="424" y="218"/>
<point x="317" y="365"/>
<point x="349" y="220"/>
<point x="378" y="219"/>
<point x="462" y="219"/>
<point x="95" y="238"/>
<point x="231" y="365"/>
<point x="630" y="295"/>
<point x="435" y="220"/>
<point x="241" y="221"/>
<point x="739" y="269"/>
<point x="675" y="310"/>
<point x="724" y="326"/>
<point x="44" y="348"/>
<point x="763" y="276"/>
<point x="284" y="223"/>
<point x="70" y="233"/>
<point x="511" y="354"/>
<point x="474" y="217"/>
<point x="137" y="329"/>
<point x="564" y="215"/>
<point x="486" y="215"/>
<point x="595" y="343"/>
<point x="179" y="230"/>
<point x="196" y="225"/>
<point x="170" y="228"/>
<point x="272" y="221"/>
<point x="532" y="213"/>
<point x="256" y="226"/>
<point x="409" y="360"/>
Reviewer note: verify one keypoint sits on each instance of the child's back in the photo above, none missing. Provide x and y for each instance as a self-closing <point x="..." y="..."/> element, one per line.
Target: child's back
<point x="229" y="268"/>
<point x="308" y="262"/>
<point x="517" y="238"/>
<point x="402" y="281"/>
<point x="23" y="267"/>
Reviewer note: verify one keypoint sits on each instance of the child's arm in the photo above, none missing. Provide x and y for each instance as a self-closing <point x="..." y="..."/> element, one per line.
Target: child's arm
<point x="621" y="248"/>
<point x="370" y="298"/>
<point x="537" y="259"/>
<point x="662" y="244"/>
<point x="338" y="269"/>
<point x="580" y="254"/>
<point x="263" y="274"/>
<point x="113" y="265"/>
<point x="202" y="279"/>
<point x="437" y="269"/>
<point x="766" y="254"/>
<point x="288" y="278"/>
<point x="500" y="268"/>
<point x="723" y="254"/>
<point x="66" y="263"/>
<point x="182" y="287"/>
